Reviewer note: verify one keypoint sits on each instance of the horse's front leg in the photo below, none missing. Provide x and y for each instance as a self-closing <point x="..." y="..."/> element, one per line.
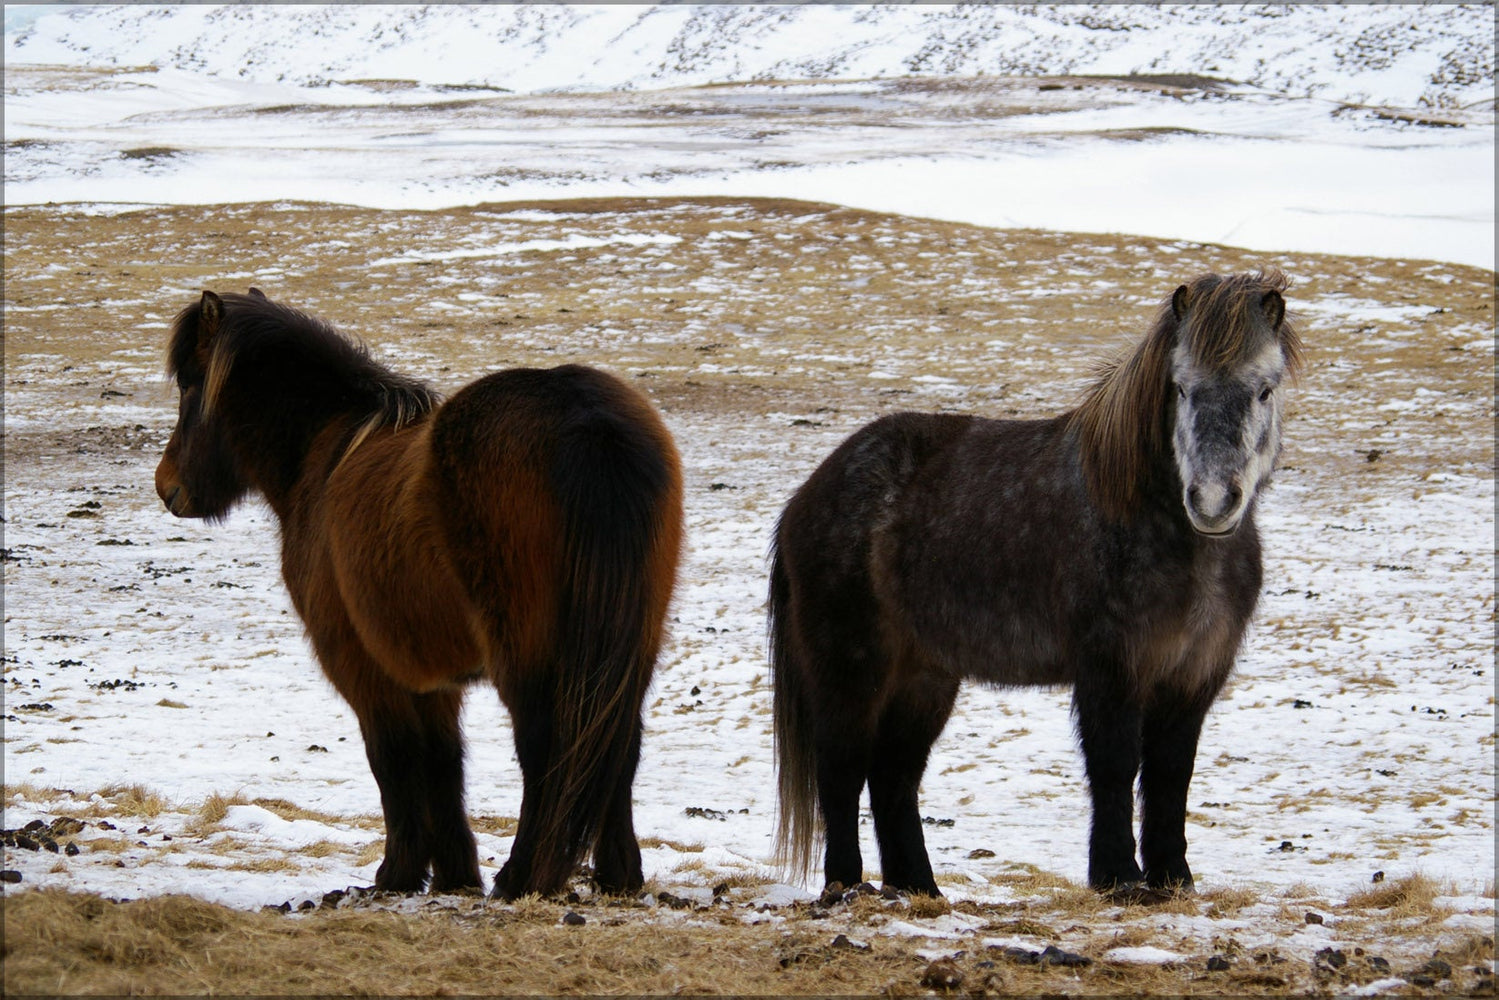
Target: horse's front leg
<point x="415" y="751"/>
<point x="1108" y="727"/>
<point x="1171" y="729"/>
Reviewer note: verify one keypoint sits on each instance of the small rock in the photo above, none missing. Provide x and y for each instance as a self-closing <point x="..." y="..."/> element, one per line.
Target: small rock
<point x="1438" y="967"/>
<point x="572" y="919"/>
<point x="27" y="843"/>
<point x="980" y="852"/>
<point x="943" y="974"/>
<point x="66" y="826"/>
<point x="1378" y="877"/>
<point x="1218" y="964"/>
<point x="1020" y="956"/>
<point x="331" y="899"/>
<point x="864" y="889"/>
<point x="887" y="892"/>
<point x="843" y="941"/>
<point x="10" y="876"/>
<point x="1378" y="964"/>
<point x="1313" y="918"/>
<point x="71" y="850"/>
<point x="33" y="826"/>
<point x="1056" y="956"/>
<point x="1330" y="958"/>
<point x="832" y="893"/>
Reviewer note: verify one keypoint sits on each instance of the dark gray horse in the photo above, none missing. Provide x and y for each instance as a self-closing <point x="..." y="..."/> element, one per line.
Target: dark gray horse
<point x="1112" y="549"/>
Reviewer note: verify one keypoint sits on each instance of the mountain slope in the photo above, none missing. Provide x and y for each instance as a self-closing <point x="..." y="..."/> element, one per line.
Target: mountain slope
<point x="1404" y="55"/>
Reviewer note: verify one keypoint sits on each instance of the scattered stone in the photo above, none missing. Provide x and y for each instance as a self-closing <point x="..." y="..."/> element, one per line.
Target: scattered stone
<point x="1218" y="964"/>
<point x="27" y="843"/>
<point x="1056" y="956"/>
<point x="8" y="875"/>
<point x="331" y="899"/>
<point x="1438" y="967"/>
<point x="887" y="892"/>
<point x="831" y="893"/>
<point x="980" y="852"/>
<point x="71" y="850"/>
<point x="1313" y="918"/>
<point x="1329" y="959"/>
<point x="1020" y="956"/>
<point x="1378" y="877"/>
<point x="572" y="919"/>
<point x="66" y="826"/>
<point x="943" y="974"/>
<point x="1378" y="964"/>
<point x="843" y="941"/>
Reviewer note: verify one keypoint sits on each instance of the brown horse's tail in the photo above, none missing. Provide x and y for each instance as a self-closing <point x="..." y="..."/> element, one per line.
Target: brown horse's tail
<point x="797" y="825"/>
<point x="617" y="481"/>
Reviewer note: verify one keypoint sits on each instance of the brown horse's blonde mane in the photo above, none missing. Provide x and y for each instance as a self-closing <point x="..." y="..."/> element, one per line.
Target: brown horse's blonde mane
<point x="1121" y="424"/>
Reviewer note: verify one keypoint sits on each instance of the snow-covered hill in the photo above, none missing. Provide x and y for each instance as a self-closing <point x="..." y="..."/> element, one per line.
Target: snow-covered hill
<point x="1403" y="55"/>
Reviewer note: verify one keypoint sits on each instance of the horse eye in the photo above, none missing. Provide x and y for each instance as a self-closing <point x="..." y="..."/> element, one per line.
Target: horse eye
<point x="1265" y="392"/>
<point x="1181" y="390"/>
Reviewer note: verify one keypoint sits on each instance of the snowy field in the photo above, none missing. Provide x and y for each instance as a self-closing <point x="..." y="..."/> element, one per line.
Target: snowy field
<point x="142" y="651"/>
<point x="1343" y="130"/>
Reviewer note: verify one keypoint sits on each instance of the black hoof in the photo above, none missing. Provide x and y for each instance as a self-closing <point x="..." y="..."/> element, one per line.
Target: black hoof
<point x="1138" y="894"/>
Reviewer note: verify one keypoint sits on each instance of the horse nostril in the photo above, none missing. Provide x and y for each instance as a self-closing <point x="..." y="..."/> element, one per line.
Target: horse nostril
<point x="1235" y="494"/>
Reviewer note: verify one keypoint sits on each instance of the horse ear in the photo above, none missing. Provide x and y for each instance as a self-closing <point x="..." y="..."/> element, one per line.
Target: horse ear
<point x="1180" y="301"/>
<point x="1274" y="307"/>
<point x="210" y="315"/>
<point x="257" y="293"/>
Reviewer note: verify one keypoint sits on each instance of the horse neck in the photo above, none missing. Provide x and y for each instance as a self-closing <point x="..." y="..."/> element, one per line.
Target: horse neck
<point x="293" y="451"/>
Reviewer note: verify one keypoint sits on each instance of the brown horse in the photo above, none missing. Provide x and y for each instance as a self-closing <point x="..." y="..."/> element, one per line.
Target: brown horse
<point x="1112" y="549"/>
<point x="526" y="531"/>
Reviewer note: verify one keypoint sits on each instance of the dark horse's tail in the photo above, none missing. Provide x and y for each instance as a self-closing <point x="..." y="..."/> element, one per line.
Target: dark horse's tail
<point x="797" y="824"/>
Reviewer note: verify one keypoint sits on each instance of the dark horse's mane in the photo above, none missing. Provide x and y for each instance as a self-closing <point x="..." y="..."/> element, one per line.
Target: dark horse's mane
<point x="1122" y="423"/>
<point x="287" y="342"/>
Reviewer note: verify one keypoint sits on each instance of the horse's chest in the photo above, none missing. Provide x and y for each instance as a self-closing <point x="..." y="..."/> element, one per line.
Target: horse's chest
<point x="1188" y="643"/>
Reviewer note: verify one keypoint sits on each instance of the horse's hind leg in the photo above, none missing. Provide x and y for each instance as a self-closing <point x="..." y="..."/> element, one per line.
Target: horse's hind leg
<point x="911" y="722"/>
<point x="531" y="719"/>
<point x="616" y="859"/>
<point x="1170" y="732"/>
<point x="842" y="764"/>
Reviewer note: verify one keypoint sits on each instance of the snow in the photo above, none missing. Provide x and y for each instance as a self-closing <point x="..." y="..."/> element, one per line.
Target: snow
<point x="1301" y="152"/>
<point x="248" y="101"/>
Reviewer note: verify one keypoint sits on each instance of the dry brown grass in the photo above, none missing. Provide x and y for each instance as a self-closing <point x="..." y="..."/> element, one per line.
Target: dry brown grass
<point x="797" y="320"/>
<point x="61" y="943"/>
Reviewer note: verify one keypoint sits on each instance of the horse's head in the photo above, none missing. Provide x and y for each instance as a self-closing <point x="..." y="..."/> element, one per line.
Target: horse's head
<point x="198" y="475"/>
<point x="1233" y="349"/>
